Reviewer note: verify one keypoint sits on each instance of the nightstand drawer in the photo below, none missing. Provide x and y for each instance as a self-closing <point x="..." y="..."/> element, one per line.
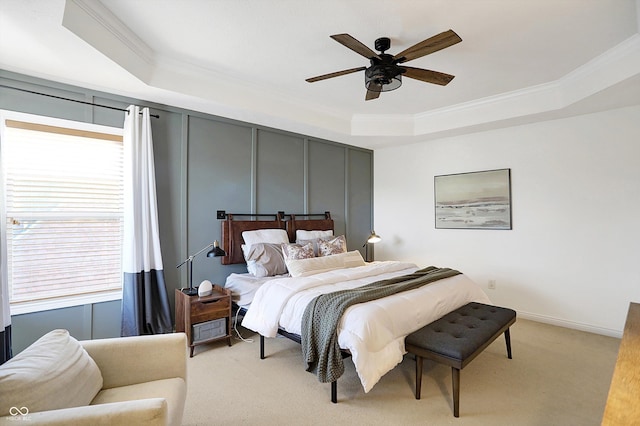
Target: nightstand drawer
<point x="204" y="310"/>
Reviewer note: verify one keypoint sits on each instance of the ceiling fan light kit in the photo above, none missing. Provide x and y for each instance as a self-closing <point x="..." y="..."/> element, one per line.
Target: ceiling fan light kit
<point x="381" y="79"/>
<point x="384" y="74"/>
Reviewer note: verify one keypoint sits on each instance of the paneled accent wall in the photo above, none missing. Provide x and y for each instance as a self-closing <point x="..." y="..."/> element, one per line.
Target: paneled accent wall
<point x="205" y="163"/>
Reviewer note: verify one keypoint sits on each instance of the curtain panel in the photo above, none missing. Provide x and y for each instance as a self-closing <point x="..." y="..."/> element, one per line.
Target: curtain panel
<point x="5" y="313"/>
<point x="145" y="304"/>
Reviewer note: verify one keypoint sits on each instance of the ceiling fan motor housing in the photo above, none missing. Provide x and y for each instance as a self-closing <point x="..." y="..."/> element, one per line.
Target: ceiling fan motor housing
<point x="383" y="44"/>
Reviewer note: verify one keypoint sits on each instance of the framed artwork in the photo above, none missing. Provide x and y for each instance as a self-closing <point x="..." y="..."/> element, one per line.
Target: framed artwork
<point x="476" y="200"/>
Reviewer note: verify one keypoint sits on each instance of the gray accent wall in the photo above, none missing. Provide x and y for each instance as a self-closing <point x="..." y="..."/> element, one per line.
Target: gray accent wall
<point x="205" y="163"/>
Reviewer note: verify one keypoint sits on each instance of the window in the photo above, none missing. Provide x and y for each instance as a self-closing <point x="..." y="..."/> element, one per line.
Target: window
<point x="63" y="211"/>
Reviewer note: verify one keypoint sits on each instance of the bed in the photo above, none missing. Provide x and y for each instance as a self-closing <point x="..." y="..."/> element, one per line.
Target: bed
<point x="371" y="333"/>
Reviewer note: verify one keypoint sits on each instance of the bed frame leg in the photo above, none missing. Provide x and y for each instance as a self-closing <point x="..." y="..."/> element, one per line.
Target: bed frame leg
<point x="261" y="346"/>
<point x="334" y="391"/>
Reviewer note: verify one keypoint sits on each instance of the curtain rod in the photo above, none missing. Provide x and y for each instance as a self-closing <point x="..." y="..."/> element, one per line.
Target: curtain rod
<point x="72" y="100"/>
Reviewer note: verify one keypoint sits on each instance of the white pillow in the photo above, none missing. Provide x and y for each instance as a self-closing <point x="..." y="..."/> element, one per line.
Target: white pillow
<point x="316" y="265"/>
<point x="301" y="234"/>
<point x="273" y="236"/>
<point x="54" y="372"/>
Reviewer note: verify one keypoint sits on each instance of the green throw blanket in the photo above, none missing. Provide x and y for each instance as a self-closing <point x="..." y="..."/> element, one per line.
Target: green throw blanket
<point x="320" y="349"/>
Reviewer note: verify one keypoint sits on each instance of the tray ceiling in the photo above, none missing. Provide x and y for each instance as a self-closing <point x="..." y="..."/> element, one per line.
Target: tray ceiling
<point x="519" y="61"/>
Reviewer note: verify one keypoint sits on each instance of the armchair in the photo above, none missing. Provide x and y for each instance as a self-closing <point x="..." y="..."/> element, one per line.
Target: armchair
<point x="131" y="380"/>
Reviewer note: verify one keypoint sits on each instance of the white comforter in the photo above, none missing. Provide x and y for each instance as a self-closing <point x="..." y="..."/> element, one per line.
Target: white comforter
<point x="373" y="332"/>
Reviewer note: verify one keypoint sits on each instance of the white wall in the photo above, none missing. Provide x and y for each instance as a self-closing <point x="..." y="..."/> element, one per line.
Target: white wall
<point x="572" y="256"/>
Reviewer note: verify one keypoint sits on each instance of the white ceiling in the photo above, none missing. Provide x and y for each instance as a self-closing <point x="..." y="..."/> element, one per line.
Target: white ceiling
<point x="519" y="61"/>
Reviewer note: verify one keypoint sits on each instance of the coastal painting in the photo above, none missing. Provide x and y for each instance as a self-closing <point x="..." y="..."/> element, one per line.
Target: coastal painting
<point x="476" y="200"/>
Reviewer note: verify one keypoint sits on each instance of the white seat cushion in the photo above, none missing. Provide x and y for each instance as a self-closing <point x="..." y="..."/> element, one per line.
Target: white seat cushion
<point x="173" y="390"/>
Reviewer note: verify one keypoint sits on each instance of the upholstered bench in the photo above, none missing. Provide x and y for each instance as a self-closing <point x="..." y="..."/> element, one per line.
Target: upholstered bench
<point x="457" y="338"/>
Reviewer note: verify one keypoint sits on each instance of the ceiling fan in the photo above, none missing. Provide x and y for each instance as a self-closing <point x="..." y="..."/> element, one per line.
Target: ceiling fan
<point x="385" y="73"/>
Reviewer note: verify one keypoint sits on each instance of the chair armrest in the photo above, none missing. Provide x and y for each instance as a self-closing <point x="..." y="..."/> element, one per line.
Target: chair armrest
<point x="139" y="359"/>
<point x="152" y="411"/>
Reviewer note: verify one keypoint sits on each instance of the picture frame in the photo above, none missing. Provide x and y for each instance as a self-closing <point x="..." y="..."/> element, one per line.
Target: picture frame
<point x="473" y="200"/>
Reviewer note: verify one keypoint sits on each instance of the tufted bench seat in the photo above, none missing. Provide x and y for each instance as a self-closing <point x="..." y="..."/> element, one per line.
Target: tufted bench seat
<point x="457" y="338"/>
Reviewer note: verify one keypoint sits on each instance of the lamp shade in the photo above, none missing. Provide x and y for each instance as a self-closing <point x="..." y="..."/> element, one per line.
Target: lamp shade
<point x="216" y="251"/>
<point x="373" y="238"/>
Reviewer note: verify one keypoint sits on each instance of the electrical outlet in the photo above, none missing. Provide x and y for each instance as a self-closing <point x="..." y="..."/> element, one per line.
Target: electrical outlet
<point x="492" y="284"/>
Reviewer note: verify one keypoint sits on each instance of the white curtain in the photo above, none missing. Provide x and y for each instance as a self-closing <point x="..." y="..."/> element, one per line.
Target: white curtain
<point x="5" y="313"/>
<point x="145" y="305"/>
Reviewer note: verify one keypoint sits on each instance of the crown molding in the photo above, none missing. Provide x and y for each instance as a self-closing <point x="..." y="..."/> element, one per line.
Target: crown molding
<point x="225" y="94"/>
<point x="616" y="65"/>
<point x="92" y="22"/>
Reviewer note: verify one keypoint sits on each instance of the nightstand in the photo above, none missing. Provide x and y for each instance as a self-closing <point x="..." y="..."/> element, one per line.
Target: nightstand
<point x="204" y="319"/>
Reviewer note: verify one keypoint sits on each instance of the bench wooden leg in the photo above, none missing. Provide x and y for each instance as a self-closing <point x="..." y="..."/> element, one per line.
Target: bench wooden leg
<point x="455" y="377"/>
<point x="418" y="376"/>
<point x="507" y="339"/>
<point x="334" y="391"/>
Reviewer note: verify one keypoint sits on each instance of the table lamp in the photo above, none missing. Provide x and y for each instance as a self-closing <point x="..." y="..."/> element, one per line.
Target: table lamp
<point x="371" y="239"/>
<point x="216" y="251"/>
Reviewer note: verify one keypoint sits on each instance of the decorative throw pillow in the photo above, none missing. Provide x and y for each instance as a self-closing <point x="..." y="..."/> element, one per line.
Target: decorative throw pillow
<point x="336" y="245"/>
<point x="297" y="251"/>
<point x="313" y="242"/>
<point x="54" y="372"/>
<point x="265" y="260"/>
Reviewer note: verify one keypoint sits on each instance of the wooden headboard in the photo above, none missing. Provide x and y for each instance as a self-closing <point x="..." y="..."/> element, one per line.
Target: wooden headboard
<point x="297" y="222"/>
<point x="233" y="228"/>
<point x="232" y="233"/>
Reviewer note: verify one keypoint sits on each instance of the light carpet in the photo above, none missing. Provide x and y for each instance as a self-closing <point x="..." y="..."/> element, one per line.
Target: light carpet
<point x="558" y="376"/>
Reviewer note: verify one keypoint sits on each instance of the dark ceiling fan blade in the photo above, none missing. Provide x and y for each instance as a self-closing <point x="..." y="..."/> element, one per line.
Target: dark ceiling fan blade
<point x="429" y="76"/>
<point x="430" y="45"/>
<point x="353" y="44"/>
<point x="373" y="94"/>
<point x="335" y="74"/>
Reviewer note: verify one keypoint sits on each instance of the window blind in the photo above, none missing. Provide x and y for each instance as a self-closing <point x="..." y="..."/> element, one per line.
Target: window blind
<point x="64" y="208"/>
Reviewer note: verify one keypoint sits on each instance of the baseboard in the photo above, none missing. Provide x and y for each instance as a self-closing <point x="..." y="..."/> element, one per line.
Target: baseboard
<point x="570" y="324"/>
